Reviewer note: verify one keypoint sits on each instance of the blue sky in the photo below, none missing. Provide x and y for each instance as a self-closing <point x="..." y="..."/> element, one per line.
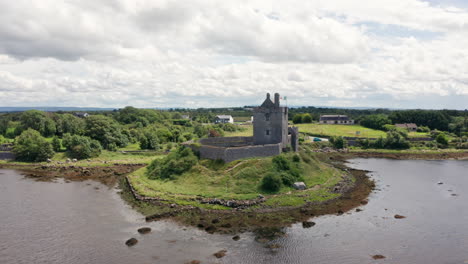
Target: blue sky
<point x="114" y="53"/>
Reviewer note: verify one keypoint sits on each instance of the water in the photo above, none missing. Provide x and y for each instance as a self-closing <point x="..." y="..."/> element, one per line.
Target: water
<point x="43" y="222"/>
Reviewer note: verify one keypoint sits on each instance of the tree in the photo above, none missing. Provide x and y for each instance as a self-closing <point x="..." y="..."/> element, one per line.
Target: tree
<point x="67" y="123"/>
<point x="306" y="118"/>
<point x="31" y="146"/>
<point x="376" y="121"/>
<point x="38" y="121"/>
<point x="297" y="119"/>
<point x="56" y="145"/>
<point x="81" y="147"/>
<point x="149" y="139"/>
<point x="106" y="131"/>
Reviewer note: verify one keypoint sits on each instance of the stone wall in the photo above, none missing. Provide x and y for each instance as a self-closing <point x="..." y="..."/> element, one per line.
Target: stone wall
<point x="232" y="154"/>
<point x="228" y="154"/>
<point x="7" y="156"/>
<point x="227" y="141"/>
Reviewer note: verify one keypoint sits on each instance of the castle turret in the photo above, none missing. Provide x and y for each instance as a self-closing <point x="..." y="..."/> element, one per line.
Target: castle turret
<point x="277" y="99"/>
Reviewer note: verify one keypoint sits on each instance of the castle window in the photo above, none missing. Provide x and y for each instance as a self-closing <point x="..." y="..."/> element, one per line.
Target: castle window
<point x="267" y="132"/>
<point x="267" y="117"/>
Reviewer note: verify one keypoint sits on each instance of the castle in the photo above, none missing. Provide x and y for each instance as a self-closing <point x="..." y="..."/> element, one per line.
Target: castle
<point x="271" y="136"/>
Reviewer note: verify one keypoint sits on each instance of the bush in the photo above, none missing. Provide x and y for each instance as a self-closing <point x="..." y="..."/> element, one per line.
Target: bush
<point x="442" y="139"/>
<point x="174" y="164"/>
<point x="424" y="129"/>
<point x="288" y="171"/>
<point x="31" y="146"/>
<point x="271" y="182"/>
<point x="296" y="158"/>
<point x="306" y="118"/>
<point x="338" y="142"/>
<point x="397" y="140"/>
<point x="297" y="119"/>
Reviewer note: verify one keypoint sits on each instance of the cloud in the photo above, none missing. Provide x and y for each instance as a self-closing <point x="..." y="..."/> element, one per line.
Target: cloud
<point x="200" y="54"/>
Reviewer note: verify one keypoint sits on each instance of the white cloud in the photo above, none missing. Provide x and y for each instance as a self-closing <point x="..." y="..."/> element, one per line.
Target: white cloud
<point x="196" y="53"/>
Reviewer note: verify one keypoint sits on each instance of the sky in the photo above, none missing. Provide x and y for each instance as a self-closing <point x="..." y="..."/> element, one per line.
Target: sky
<point x="206" y="53"/>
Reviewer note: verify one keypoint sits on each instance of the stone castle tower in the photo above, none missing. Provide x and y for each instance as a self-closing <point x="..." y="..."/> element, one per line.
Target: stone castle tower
<point x="270" y="123"/>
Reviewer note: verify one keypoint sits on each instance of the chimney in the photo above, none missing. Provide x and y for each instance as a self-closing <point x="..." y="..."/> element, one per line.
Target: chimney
<point x="268" y="95"/>
<point x="277" y="99"/>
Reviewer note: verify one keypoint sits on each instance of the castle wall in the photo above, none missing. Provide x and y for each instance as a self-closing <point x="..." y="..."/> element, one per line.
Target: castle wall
<point x="232" y="154"/>
<point x="211" y="152"/>
<point x="228" y="154"/>
<point x="227" y="141"/>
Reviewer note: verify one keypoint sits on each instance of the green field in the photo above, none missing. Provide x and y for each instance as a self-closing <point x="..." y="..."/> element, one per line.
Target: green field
<point x="238" y="180"/>
<point x="340" y="130"/>
<point x="247" y="131"/>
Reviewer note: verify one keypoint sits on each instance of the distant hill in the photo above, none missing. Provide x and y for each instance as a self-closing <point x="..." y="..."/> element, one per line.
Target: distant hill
<point x="54" y="109"/>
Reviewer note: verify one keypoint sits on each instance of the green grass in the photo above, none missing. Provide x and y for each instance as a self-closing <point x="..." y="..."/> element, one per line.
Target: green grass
<point x="418" y="134"/>
<point x="131" y="147"/>
<point x="106" y="158"/>
<point x="340" y="130"/>
<point x="247" y="131"/>
<point x="237" y="180"/>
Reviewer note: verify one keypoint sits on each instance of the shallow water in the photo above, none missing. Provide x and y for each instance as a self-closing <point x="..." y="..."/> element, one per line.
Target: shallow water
<point x="86" y="222"/>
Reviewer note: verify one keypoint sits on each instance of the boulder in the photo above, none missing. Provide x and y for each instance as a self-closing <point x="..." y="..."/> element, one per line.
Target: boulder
<point x="220" y="253"/>
<point x="299" y="186"/>
<point x="144" y="230"/>
<point x="235" y="238"/>
<point x="131" y="242"/>
<point x="378" y="257"/>
<point x="307" y="224"/>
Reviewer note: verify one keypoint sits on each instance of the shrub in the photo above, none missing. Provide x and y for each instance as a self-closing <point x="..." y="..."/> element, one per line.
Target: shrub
<point x="442" y="139"/>
<point x="173" y="164"/>
<point x="306" y="118"/>
<point x="31" y="146"/>
<point x="271" y="182"/>
<point x="297" y="119"/>
<point x="338" y="142"/>
<point x="296" y="158"/>
<point x="423" y="129"/>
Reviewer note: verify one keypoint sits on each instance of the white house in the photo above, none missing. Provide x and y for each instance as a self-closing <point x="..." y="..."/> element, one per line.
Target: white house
<point x="222" y="119"/>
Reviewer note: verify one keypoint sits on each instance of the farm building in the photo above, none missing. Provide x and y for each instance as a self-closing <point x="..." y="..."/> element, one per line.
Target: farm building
<point x="336" y="119"/>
